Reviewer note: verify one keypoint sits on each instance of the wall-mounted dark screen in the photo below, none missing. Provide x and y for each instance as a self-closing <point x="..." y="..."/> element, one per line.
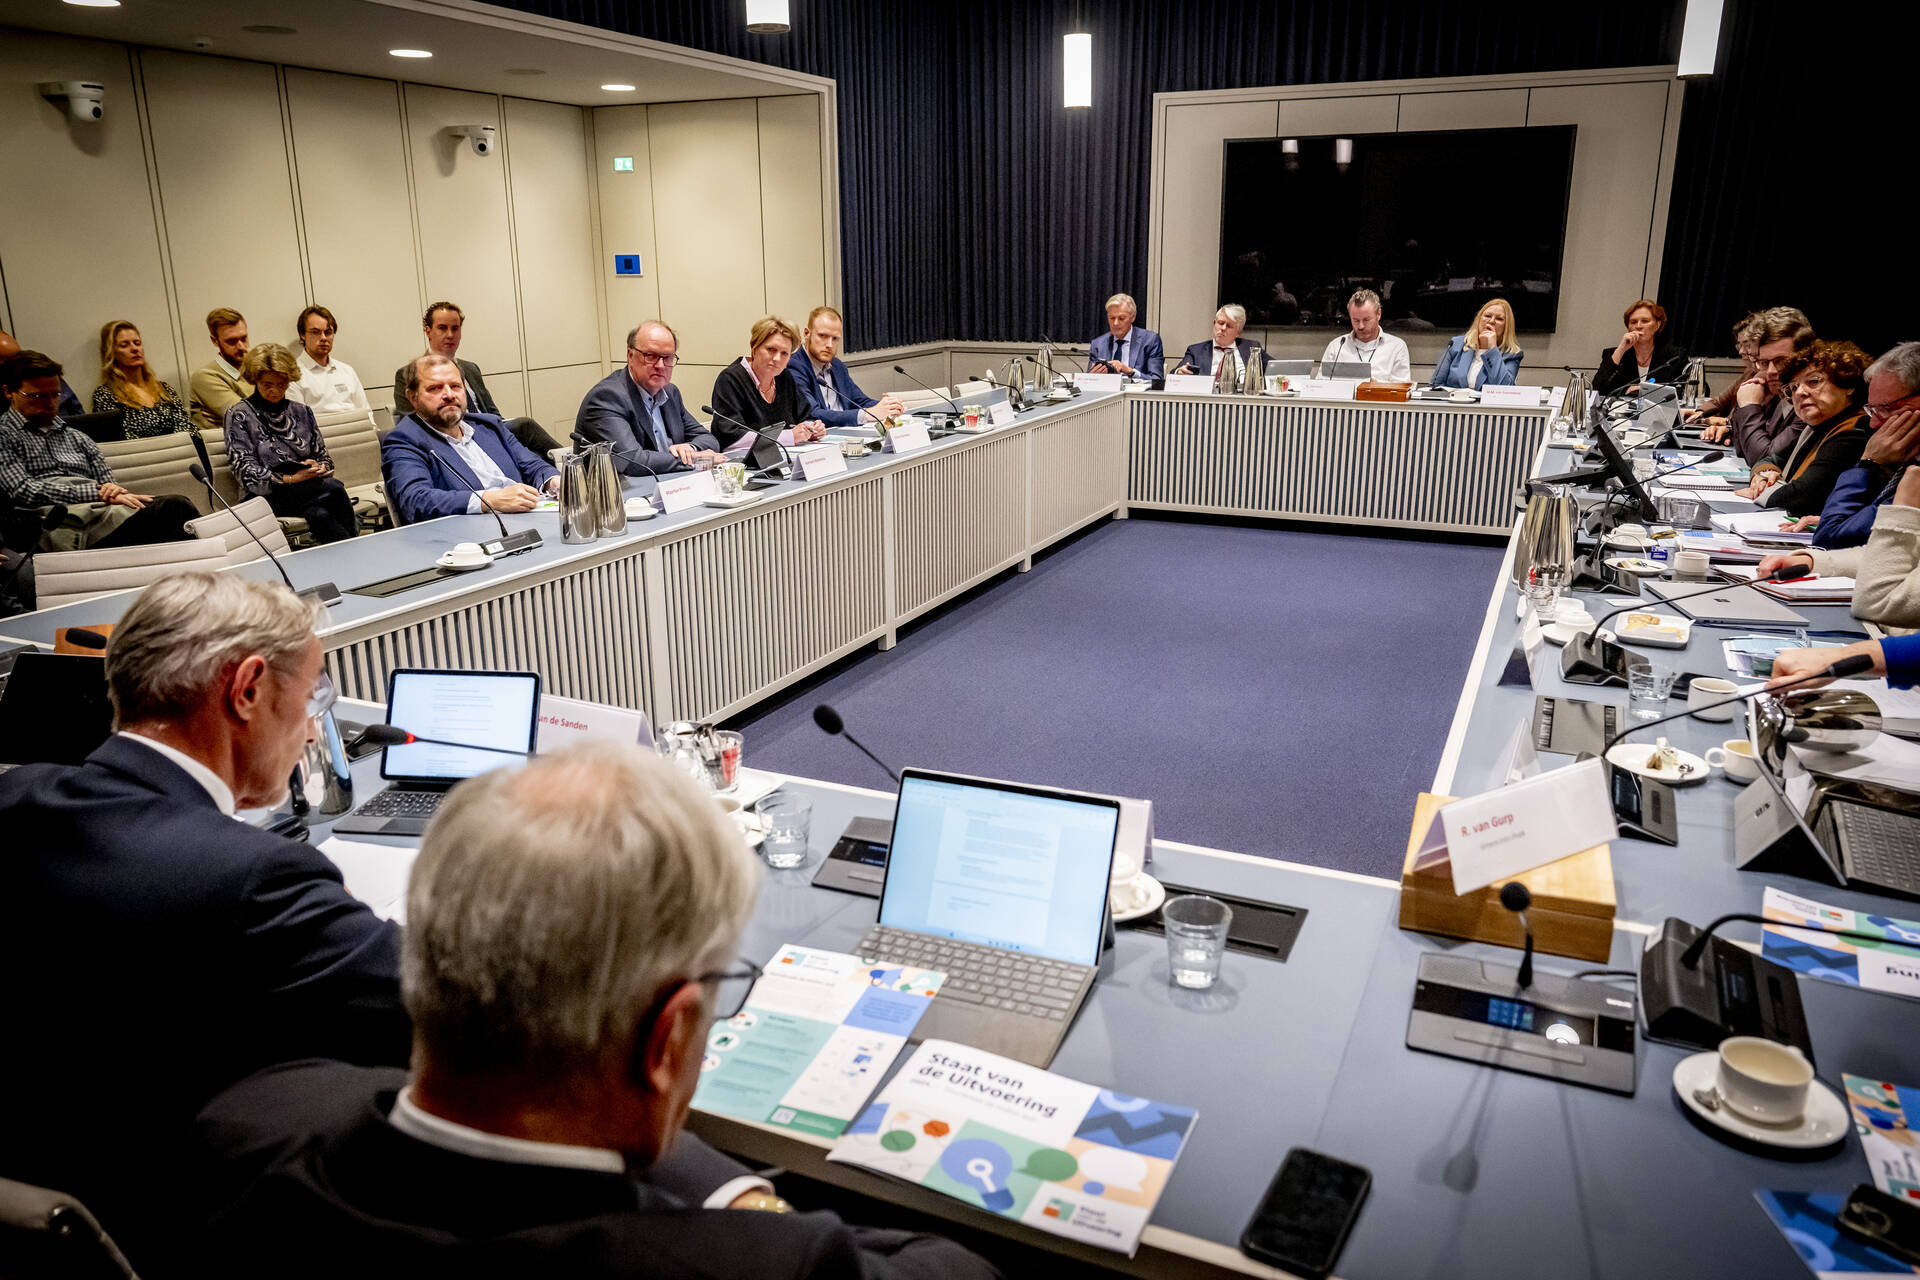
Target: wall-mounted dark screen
<point x="1436" y="223"/>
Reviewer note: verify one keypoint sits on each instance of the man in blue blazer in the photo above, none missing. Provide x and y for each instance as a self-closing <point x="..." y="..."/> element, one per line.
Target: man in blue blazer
<point x="157" y="949"/>
<point x="1228" y="321"/>
<point x="639" y="412"/>
<point x="441" y="460"/>
<point x="1123" y="348"/>
<point x="823" y="381"/>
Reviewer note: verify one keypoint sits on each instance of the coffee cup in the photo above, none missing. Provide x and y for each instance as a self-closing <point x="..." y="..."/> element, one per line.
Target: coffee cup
<point x="1764" y="1080"/>
<point x="1735" y="758"/>
<point x="1710" y="689"/>
<point x="1126" y="888"/>
<point x="1691" y="564"/>
<point x="1572" y="612"/>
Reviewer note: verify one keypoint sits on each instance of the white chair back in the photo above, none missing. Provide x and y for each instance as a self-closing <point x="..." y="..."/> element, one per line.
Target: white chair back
<point x="236" y="546"/>
<point x="157" y="464"/>
<point x="353" y="442"/>
<point x="67" y="577"/>
<point x="971" y="389"/>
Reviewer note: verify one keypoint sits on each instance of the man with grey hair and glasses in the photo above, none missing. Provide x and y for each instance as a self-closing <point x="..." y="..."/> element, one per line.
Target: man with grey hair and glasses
<point x="572" y="935"/>
<point x="158" y="949"/>
<point x="1893" y="415"/>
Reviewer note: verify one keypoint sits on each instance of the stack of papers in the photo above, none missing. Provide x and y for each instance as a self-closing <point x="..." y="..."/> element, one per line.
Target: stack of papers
<point x="1805" y="590"/>
<point x="1721" y="548"/>
<point x="1772" y="525"/>
<point x="1883" y="964"/>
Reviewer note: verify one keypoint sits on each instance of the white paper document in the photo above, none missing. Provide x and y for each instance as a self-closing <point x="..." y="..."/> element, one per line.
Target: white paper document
<point x="375" y="873"/>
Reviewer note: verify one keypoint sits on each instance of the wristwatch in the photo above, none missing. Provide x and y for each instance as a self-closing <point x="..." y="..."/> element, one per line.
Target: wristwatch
<point x="764" y="1201"/>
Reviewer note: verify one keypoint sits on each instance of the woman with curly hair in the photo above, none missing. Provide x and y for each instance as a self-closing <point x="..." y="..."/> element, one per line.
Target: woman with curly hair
<point x="1828" y="384"/>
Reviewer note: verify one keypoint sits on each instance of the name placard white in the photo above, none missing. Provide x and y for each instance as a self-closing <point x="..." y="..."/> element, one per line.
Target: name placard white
<point x="1516" y="397"/>
<point x="1097" y="381"/>
<point x="1190" y="384"/>
<point x="1001" y="413"/>
<point x="1556" y="396"/>
<point x="1326" y="388"/>
<point x="820" y="461"/>
<point x="564" y="721"/>
<point x="908" y="436"/>
<point x="679" y="492"/>
<point x="1516" y="828"/>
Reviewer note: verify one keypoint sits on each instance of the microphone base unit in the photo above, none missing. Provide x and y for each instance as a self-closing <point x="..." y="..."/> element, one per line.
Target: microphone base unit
<point x="513" y="544"/>
<point x="1589" y="659"/>
<point x="324" y="593"/>
<point x="1731" y="992"/>
<point x="1565" y="1029"/>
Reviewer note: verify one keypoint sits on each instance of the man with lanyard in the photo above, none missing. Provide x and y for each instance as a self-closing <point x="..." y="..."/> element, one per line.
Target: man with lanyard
<point x="1367" y="344"/>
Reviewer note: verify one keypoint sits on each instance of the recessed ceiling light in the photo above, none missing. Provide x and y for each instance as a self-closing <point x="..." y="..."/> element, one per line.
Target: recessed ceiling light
<point x="94" y="4"/>
<point x="617" y="88"/>
<point x="526" y="71"/>
<point x="410" y="53"/>
<point x="268" y="29"/>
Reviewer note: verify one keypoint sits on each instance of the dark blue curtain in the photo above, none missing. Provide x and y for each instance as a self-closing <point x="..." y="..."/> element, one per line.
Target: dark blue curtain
<point x="974" y="206"/>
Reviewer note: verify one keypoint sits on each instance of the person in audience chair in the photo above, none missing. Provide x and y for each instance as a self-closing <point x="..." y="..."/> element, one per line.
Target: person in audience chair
<point x="70" y="406"/>
<point x="441" y="460"/>
<point x="1712" y="415"/>
<point x="46" y="464"/>
<point x="1125" y="347"/>
<point x="162" y="950"/>
<point x="758" y="390"/>
<point x="638" y="410"/>
<point x="128" y="385"/>
<point x="1763" y="421"/>
<point x="1829" y="389"/>
<point x="443" y="325"/>
<point x="325" y="385"/>
<point x="1640" y="356"/>
<point x="217" y="385"/>
<point x="1205" y="357"/>
<point x="276" y="451"/>
<point x="825" y="383"/>
<point x="556" y="1050"/>
<point x="1487" y="354"/>
<point x="1893" y="445"/>
<point x="1886" y="571"/>
<point x="1366" y="343"/>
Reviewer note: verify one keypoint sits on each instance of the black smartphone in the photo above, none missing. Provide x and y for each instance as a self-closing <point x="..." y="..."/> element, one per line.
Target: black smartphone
<point x="1884" y="1222"/>
<point x="1304" y="1219"/>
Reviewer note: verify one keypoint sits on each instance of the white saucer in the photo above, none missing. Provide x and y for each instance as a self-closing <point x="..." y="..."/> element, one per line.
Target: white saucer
<point x="1632" y="756"/>
<point x="447" y="561"/>
<point x="742" y="499"/>
<point x="1635" y="564"/>
<point x="1156" y="897"/>
<point x="1644" y="634"/>
<point x="1561" y="632"/>
<point x="640" y="509"/>
<point x="1825" y="1122"/>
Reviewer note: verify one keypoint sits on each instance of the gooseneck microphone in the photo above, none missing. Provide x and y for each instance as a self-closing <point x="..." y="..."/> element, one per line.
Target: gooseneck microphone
<point x="765" y="433"/>
<point x="951" y="402"/>
<point x="325" y="593"/>
<point x="1579" y="660"/>
<point x="582" y="443"/>
<point x="1516" y="898"/>
<point x="1849" y="666"/>
<point x="507" y="544"/>
<point x="390" y="735"/>
<point x="829" y="720"/>
<point x="1691" y="956"/>
<point x="1785" y="573"/>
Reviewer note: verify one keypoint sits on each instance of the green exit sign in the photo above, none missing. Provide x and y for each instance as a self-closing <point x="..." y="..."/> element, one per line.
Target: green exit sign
<point x="623" y="164"/>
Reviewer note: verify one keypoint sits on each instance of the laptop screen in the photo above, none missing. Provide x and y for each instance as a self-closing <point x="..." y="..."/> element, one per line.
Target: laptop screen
<point x="1020" y="868"/>
<point x="488" y="708"/>
<point x="54" y="709"/>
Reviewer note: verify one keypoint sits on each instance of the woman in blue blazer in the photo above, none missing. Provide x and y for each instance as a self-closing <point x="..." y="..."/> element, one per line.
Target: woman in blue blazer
<point x="1489" y="344"/>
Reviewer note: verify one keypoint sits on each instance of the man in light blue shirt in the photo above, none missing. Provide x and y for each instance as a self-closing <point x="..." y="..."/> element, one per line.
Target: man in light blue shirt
<point x="441" y="460"/>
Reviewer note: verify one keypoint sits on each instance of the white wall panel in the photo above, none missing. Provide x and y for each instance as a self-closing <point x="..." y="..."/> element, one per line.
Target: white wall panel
<point x="626" y="221"/>
<point x="556" y="395"/>
<point x="706" y="208"/>
<point x="553" y="233"/>
<point x="790" y="207"/>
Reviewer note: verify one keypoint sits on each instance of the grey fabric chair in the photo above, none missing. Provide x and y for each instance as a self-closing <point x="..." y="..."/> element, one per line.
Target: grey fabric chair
<point x="48" y="1234"/>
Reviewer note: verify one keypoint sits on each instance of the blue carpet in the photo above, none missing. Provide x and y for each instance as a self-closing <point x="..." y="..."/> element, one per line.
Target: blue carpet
<point x="1273" y="691"/>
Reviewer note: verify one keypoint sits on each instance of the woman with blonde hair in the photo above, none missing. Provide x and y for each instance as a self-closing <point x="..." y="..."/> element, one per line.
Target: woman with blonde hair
<point x="758" y="391"/>
<point x="1487" y="354"/>
<point x="128" y="385"/>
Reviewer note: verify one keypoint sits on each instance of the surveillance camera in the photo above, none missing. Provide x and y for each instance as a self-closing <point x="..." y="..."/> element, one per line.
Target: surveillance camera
<point x="479" y="136"/>
<point x="84" y="99"/>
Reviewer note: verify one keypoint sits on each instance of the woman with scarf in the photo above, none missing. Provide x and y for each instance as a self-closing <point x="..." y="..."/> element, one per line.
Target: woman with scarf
<point x="276" y="451"/>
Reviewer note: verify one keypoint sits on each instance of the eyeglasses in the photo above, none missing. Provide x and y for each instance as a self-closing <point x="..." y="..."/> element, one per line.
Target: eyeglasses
<point x="39" y="397"/>
<point x="324" y="695"/>
<point x="1880" y="412"/>
<point x="730" y="988"/>
<point x="648" y="357"/>
<point x="1810" y="382"/>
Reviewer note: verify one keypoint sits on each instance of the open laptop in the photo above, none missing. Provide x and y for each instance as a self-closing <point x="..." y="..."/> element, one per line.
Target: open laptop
<point x="53" y="708"/>
<point x="488" y="708"/>
<point x="1003" y="887"/>
<point x="1361" y="370"/>
<point x="1289" y="368"/>
<point x="1738" y="604"/>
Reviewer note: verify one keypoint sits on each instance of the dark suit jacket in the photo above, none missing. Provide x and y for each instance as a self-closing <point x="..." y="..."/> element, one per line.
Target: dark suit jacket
<point x="1200" y="354"/>
<point x="304" y="1169"/>
<point x="807" y="382"/>
<point x="420" y="465"/>
<point x="615" y="411"/>
<point x="156" y="952"/>
<point x="1667" y="363"/>
<point x="1759" y="430"/>
<point x="479" y="399"/>
<point x="1146" y="352"/>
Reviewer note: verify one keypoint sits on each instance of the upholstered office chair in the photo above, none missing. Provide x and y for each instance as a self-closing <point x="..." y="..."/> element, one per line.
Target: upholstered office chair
<point x="212" y="448"/>
<point x="67" y="577"/>
<point x="158" y="464"/>
<point x="353" y="442"/>
<point x="237" y="548"/>
<point x="47" y="1233"/>
<point x="971" y="388"/>
<point x="917" y="399"/>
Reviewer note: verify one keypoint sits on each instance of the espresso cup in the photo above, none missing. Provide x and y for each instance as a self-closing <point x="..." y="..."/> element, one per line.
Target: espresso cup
<point x="1710" y="689"/>
<point x="1735" y="758"/>
<point x="1764" y="1080"/>
<point x="1691" y="564"/>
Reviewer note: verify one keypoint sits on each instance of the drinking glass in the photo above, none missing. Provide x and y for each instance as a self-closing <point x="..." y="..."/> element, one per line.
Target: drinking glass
<point x="1647" y="690"/>
<point x="1196" y="928"/>
<point x="788" y="818"/>
<point x="727" y="767"/>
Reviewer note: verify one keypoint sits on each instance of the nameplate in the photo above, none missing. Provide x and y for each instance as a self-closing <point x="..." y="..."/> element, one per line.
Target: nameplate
<point x="1001" y="413"/>
<point x="1501" y="833"/>
<point x="1556" y="396"/>
<point x="1190" y="384"/>
<point x="1325" y="388"/>
<point x="821" y="461"/>
<point x="679" y="492"/>
<point x="1512" y="397"/>
<point x="564" y="721"/>
<point x="908" y="436"/>
<point x="1097" y="381"/>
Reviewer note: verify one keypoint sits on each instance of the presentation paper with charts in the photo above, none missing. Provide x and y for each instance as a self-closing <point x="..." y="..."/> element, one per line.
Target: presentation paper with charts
<point x="1883" y="1116"/>
<point x="1891" y="965"/>
<point x="1065" y="1157"/>
<point x="817" y="1033"/>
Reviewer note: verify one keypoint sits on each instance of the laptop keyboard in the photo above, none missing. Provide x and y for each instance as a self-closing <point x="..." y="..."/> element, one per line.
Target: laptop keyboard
<point x="987" y="976"/>
<point x="1882" y="847"/>
<point x="395" y="803"/>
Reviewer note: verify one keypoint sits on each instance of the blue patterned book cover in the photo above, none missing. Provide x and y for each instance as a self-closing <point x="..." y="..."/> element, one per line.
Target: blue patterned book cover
<point x="1885" y="961"/>
<point x="1807" y="1220"/>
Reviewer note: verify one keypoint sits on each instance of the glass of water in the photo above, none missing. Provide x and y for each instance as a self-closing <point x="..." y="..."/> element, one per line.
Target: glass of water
<point x="788" y="819"/>
<point x="1196" y="928"/>
<point x="1648" y="688"/>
